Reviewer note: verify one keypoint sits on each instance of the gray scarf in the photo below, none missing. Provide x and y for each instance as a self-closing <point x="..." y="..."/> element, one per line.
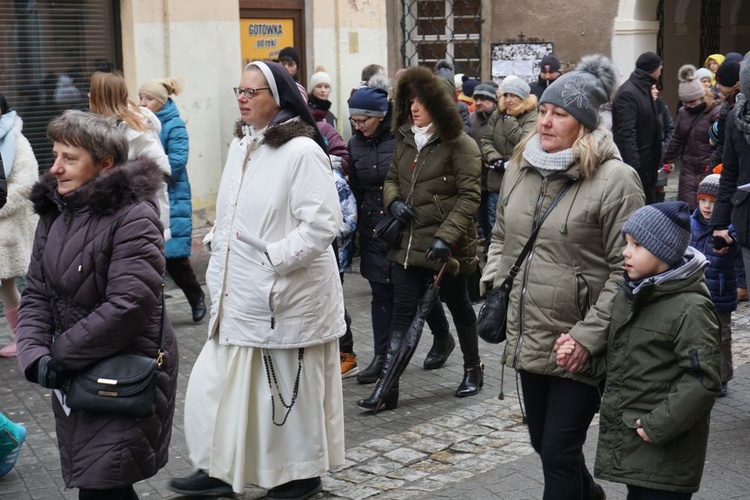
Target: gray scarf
<point x="742" y="112"/>
<point x="545" y="162"/>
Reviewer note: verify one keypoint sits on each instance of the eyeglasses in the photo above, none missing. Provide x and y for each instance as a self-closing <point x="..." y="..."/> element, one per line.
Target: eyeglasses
<point x="358" y="123"/>
<point x="248" y="93"/>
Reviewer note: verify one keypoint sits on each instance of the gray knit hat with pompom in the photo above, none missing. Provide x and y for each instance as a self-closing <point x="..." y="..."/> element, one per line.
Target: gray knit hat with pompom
<point x="580" y="92"/>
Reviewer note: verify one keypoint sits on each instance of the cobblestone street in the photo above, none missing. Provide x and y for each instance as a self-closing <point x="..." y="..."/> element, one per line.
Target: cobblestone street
<point x="433" y="446"/>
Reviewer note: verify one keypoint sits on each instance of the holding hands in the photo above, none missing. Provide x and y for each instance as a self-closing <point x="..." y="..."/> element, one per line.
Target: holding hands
<point x="570" y="354"/>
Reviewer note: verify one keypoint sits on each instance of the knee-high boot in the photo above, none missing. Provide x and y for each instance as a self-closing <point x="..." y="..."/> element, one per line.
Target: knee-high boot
<point x="379" y="397"/>
<point x="9" y="351"/>
<point x="473" y="368"/>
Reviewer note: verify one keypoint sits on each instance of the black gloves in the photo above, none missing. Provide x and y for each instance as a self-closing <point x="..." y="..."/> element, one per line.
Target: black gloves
<point x="402" y="211"/>
<point x="50" y="373"/>
<point x="497" y="165"/>
<point x="439" y="250"/>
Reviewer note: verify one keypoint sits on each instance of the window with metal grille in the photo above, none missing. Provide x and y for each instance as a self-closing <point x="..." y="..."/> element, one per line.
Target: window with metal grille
<point x="50" y="49"/>
<point x="710" y="28"/>
<point x="442" y="29"/>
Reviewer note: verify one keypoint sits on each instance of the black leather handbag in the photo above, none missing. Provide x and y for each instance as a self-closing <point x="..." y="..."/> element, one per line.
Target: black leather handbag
<point x="493" y="315"/>
<point x="388" y="230"/>
<point x="123" y="385"/>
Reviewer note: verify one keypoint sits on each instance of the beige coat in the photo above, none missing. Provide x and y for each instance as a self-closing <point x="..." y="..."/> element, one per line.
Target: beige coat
<point x="17" y="218"/>
<point x="567" y="283"/>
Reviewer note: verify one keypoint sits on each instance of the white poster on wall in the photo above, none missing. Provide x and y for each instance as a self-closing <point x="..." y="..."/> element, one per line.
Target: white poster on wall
<point x="518" y="58"/>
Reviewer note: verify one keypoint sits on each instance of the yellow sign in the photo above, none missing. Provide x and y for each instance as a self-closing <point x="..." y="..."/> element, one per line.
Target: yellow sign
<point x="263" y="39"/>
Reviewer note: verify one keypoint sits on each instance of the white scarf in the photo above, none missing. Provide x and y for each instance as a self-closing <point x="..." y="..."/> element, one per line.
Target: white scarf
<point x="422" y="135"/>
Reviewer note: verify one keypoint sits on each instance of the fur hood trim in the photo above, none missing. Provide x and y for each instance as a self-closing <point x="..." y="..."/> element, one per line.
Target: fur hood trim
<point x="278" y="135"/>
<point x="436" y="97"/>
<point x="529" y="104"/>
<point x="125" y="185"/>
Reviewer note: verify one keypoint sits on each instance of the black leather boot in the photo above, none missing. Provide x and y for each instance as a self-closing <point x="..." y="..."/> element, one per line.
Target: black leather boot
<point x="439" y="352"/>
<point x="371" y="374"/>
<point x="472" y="382"/>
<point x="379" y="398"/>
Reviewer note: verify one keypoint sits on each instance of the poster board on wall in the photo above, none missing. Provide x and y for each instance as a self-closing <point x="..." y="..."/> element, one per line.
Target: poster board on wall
<point x="518" y="58"/>
<point x="262" y="39"/>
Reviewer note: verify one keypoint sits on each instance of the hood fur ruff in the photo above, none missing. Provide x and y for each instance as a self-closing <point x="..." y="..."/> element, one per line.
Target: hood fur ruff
<point x="132" y="182"/>
<point x="278" y="135"/>
<point x="438" y="100"/>
<point x="526" y="105"/>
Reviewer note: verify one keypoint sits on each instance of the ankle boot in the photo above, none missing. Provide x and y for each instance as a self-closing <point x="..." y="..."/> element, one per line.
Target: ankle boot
<point x="371" y="374"/>
<point x="472" y="382"/>
<point x="9" y="351"/>
<point x="379" y="398"/>
<point x="442" y="347"/>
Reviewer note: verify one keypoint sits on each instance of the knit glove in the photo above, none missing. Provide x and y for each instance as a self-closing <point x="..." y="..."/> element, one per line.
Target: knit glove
<point x="402" y="211"/>
<point x="50" y="373"/>
<point x="497" y="165"/>
<point x="439" y="250"/>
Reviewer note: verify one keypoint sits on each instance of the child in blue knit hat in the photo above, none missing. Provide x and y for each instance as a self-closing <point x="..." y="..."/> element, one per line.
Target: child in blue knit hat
<point x="662" y="361"/>
<point x="721" y="275"/>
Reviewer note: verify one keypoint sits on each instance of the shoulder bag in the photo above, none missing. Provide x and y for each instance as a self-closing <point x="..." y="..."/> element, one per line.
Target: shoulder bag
<point x="123" y="385"/>
<point x="493" y="316"/>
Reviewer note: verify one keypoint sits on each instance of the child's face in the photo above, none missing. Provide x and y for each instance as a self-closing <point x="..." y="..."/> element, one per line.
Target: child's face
<point x="706" y="206"/>
<point x="639" y="262"/>
<point x="706" y="83"/>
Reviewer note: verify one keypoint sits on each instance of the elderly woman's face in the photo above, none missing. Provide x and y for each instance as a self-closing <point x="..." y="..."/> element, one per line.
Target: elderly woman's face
<point x="419" y="114"/>
<point x="260" y="110"/>
<point x="556" y="127"/>
<point x="511" y="101"/>
<point x="74" y="167"/>
<point x="367" y="125"/>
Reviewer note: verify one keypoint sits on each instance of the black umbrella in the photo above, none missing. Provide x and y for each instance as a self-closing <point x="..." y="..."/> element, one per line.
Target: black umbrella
<point x="402" y="357"/>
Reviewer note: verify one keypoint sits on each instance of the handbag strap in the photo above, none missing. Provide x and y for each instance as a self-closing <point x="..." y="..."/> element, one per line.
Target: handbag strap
<point x="514" y="270"/>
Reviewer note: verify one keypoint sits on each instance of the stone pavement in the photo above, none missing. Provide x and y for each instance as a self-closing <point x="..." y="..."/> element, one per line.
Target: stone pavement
<point x="433" y="446"/>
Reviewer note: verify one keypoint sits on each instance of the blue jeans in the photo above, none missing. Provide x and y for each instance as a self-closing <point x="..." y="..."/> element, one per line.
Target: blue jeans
<point x="492" y="199"/>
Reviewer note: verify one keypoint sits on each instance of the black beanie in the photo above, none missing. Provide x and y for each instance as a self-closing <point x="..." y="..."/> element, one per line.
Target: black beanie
<point x="289" y="53"/>
<point x="648" y="62"/>
<point x="728" y="73"/>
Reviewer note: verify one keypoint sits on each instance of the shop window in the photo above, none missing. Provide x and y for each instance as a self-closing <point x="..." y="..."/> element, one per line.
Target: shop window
<point x="442" y="29"/>
<point x="50" y="49"/>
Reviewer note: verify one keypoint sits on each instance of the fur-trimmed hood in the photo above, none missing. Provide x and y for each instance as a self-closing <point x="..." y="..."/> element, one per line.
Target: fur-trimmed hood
<point x="278" y="135"/>
<point x="135" y="181"/>
<point x="437" y="97"/>
<point x="529" y="104"/>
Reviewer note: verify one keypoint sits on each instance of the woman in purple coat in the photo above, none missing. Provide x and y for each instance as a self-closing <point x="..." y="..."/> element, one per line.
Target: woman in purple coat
<point x="94" y="290"/>
<point x="690" y="137"/>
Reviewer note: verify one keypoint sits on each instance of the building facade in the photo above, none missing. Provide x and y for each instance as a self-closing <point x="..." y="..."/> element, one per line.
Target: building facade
<point x="50" y="49"/>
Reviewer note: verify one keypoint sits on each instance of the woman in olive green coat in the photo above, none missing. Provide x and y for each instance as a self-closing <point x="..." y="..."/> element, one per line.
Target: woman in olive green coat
<point x="433" y="187"/>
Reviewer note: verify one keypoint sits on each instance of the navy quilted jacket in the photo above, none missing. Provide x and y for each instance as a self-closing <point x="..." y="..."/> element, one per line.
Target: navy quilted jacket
<point x="721" y="277"/>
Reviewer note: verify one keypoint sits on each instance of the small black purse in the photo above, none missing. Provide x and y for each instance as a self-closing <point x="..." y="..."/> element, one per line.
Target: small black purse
<point x="123" y="385"/>
<point x="493" y="316"/>
<point x="388" y="230"/>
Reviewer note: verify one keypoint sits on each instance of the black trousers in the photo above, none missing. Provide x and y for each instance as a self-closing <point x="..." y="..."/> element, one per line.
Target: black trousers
<point x="559" y="412"/>
<point x="125" y="493"/>
<point x="409" y="286"/>
<point x="184" y="277"/>
<point x="381" y="311"/>
<point x="640" y="493"/>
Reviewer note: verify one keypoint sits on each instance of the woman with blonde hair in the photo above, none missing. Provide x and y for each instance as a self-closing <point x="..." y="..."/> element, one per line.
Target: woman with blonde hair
<point x="565" y="287"/>
<point x="155" y="96"/>
<point x="108" y="96"/>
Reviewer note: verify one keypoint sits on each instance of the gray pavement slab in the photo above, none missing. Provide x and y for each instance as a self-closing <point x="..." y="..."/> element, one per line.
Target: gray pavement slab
<point x="433" y="445"/>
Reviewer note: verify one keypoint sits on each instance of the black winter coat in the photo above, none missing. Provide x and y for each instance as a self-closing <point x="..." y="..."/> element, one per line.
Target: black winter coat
<point x="636" y="127"/>
<point x="369" y="160"/>
<point x="94" y="290"/>
<point x="733" y="205"/>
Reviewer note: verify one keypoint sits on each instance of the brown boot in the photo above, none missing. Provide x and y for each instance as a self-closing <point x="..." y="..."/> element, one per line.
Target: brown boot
<point x="742" y="295"/>
<point x="9" y="351"/>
